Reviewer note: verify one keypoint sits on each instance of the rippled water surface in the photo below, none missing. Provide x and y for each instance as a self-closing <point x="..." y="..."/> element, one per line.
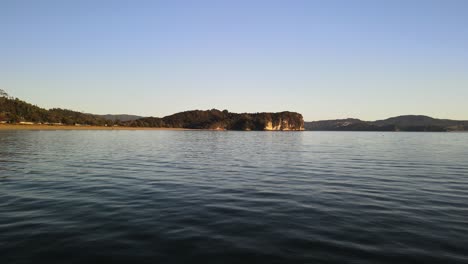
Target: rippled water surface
<point x="233" y="197"/>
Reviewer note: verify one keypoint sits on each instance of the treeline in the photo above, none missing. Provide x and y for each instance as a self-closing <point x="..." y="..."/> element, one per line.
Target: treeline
<point x="14" y="110"/>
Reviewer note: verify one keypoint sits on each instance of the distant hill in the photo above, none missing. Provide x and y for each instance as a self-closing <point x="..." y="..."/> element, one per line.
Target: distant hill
<point x="399" y="123"/>
<point x="120" y="117"/>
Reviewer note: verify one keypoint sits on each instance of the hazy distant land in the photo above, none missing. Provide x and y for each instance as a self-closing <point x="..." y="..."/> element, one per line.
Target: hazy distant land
<point x="416" y="123"/>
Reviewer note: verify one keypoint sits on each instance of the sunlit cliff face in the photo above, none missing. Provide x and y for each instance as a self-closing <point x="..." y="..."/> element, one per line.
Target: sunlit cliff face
<point x="283" y="125"/>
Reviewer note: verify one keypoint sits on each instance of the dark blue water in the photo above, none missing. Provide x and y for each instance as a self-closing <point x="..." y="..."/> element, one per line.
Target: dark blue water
<point x="233" y="197"/>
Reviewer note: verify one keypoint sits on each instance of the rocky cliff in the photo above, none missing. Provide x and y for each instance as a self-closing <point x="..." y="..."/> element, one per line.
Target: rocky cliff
<point x="283" y="121"/>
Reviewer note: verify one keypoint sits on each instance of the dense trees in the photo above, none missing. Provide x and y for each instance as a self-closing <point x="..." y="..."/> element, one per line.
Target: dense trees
<point x="15" y="110"/>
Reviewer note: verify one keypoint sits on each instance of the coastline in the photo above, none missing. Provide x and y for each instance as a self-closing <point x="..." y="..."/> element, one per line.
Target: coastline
<point x="49" y="127"/>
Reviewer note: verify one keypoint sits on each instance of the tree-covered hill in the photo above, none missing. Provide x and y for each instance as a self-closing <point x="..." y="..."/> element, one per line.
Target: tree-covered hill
<point x="14" y="110"/>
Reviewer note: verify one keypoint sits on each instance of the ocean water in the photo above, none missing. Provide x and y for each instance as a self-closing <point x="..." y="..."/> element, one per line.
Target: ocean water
<point x="233" y="197"/>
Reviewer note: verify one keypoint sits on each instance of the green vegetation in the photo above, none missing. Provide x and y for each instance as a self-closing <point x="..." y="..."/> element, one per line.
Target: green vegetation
<point x="14" y="110"/>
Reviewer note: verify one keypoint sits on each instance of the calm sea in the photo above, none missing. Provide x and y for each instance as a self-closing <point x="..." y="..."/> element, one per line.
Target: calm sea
<point x="233" y="197"/>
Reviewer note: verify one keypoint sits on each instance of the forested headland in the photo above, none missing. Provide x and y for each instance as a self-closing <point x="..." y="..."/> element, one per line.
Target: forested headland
<point x="14" y="111"/>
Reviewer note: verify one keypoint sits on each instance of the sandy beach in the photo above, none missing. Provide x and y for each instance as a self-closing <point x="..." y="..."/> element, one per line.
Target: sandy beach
<point x="49" y="127"/>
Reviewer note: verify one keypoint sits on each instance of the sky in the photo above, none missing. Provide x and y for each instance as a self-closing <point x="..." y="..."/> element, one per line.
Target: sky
<point x="325" y="59"/>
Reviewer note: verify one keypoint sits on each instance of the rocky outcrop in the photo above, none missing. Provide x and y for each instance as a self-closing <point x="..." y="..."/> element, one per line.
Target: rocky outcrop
<point x="282" y="121"/>
<point x="294" y="123"/>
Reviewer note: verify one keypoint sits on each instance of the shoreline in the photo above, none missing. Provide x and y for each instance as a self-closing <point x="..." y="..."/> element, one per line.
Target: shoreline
<point x="51" y="127"/>
<point x="4" y="127"/>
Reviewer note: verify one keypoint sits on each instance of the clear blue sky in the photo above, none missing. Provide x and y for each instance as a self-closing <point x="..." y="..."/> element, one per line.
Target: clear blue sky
<point x="325" y="59"/>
